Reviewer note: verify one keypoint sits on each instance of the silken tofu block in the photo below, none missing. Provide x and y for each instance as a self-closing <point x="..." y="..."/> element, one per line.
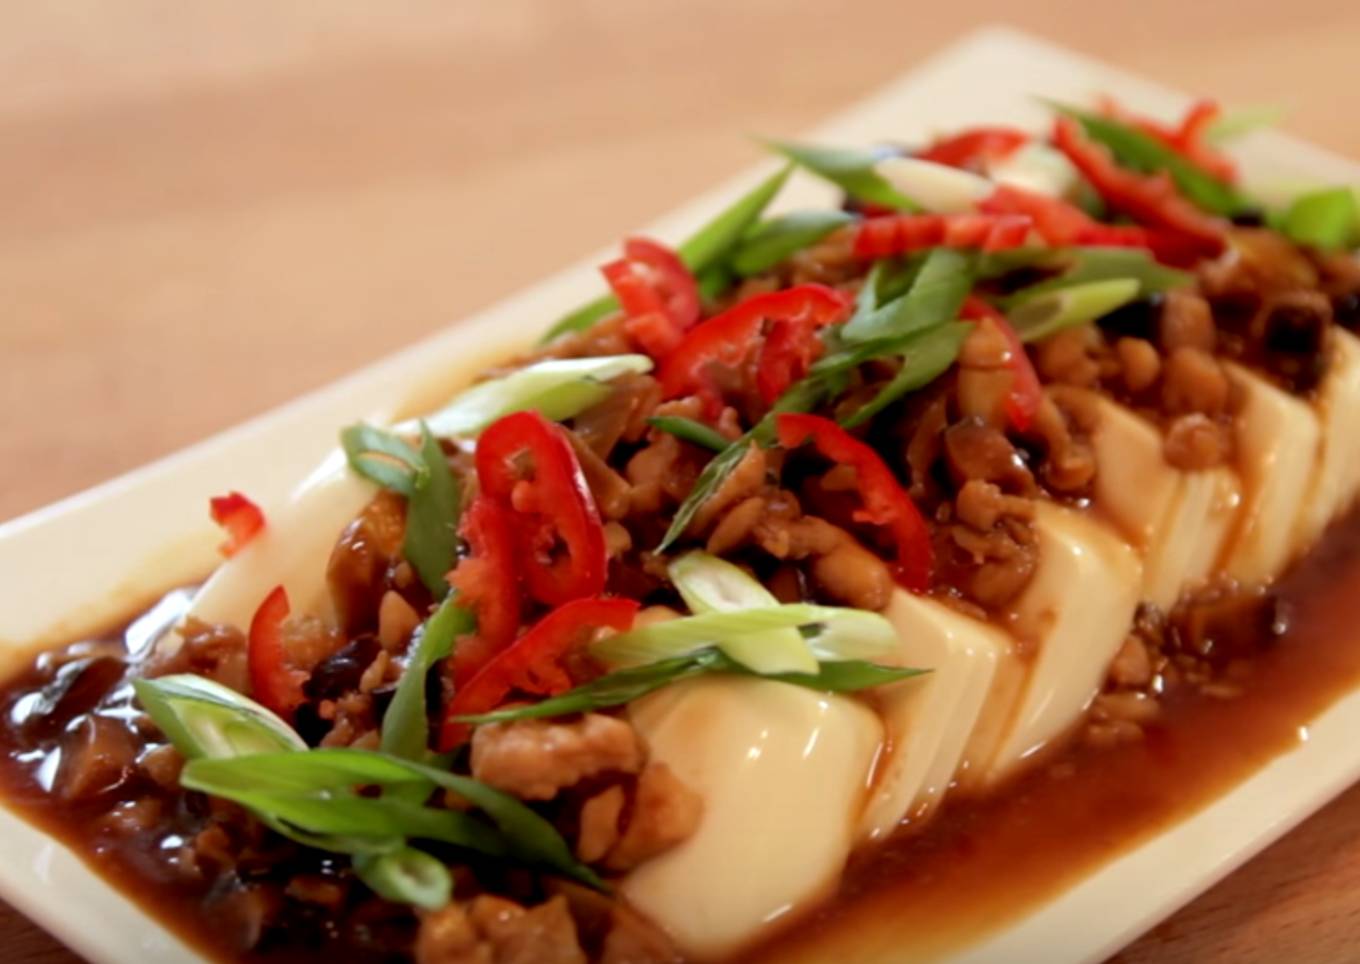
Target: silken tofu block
<point x="1278" y="442"/>
<point x="1135" y="487"/>
<point x="929" y="719"/>
<point x="1178" y="520"/>
<point x="783" y="772"/>
<point x="1186" y="554"/>
<point x="1069" y="623"/>
<point x="291" y="550"/>
<point x="1337" y="478"/>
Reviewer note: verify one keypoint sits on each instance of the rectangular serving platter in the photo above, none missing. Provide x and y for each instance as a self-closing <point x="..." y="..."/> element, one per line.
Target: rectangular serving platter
<point x="78" y="563"/>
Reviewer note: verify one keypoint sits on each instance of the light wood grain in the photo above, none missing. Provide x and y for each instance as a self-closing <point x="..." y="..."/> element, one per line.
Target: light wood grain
<point x="209" y="208"/>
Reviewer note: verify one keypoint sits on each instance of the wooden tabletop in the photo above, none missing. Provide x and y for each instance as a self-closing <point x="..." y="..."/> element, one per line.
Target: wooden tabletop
<point x="209" y="208"/>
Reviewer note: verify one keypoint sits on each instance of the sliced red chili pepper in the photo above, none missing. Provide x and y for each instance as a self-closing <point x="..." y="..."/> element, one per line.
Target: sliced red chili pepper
<point x="886" y="503"/>
<point x="976" y="147"/>
<point x="1150" y="200"/>
<point x="898" y="234"/>
<point x="488" y="583"/>
<point x="240" y="517"/>
<point x="533" y="663"/>
<point x="273" y="683"/>
<point x="789" y="351"/>
<point x="1026" y="393"/>
<point x="658" y="293"/>
<point x="526" y="464"/>
<point x="1062" y="224"/>
<point x="1186" y="138"/>
<point x="727" y="339"/>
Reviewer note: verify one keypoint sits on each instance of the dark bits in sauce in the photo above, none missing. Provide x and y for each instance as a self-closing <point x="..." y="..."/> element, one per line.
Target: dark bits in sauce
<point x="978" y="864"/>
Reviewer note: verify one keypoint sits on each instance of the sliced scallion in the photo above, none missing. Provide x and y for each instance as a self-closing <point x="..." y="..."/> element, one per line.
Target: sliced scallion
<point x="1062" y="308"/>
<point x="853" y="170"/>
<point x="688" y="430"/>
<point x="405" y="725"/>
<point x="406" y="876"/>
<point x="1084" y="265"/>
<point x="1329" y="219"/>
<point x="556" y="388"/>
<point x="772" y="241"/>
<point x="709" y="584"/>
<point x="206" y="719"/>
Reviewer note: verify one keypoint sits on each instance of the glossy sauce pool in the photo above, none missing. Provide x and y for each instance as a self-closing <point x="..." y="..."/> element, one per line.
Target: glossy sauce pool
<point x="979" y="863"/>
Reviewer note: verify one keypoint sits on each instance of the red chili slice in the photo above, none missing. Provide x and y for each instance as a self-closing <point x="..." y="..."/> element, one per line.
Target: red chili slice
<point x="1186" y="138"/>
<point x="526" y="463"/>
<point x="1062" y="224"/>
<point x="1150" y="200"/>
<point x="533" y="664"/>
<point x="273" y="683"/>
<point x="898" y="234"/>
<point x="728" y="339"/>
<point x="1026" y="393"/>
<point x="976" y="147"/>
<point x="240" y="517"/>
<point x="488" y="583"/>
<point x="658" y="293"/>
<point x="886" y="503"/>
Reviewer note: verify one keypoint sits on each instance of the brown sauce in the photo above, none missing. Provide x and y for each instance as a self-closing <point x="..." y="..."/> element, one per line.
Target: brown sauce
<point x="977" y="865"/>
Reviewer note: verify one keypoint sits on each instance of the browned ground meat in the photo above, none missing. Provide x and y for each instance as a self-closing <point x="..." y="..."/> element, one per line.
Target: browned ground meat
<point x="217" y="652"/>
<point x="361" y="565"/>
<point x="492" y="930"/>
<point x="664" y="812"/>
<point x="534" y="759"/>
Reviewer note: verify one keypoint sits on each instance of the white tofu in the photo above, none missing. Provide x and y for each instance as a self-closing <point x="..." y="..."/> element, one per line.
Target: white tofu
<point x="783" y="772"/>
<point x="1179" y="521"/>
<point x="1134" y="485"/>
<point x="929" y="719"/>
<point x="1338" y="473"/>
<point x="1186" y="554"/>
<point x="1071" y="620"/>
<point x="1278" y="442"/>
<point x="292" y="549"/>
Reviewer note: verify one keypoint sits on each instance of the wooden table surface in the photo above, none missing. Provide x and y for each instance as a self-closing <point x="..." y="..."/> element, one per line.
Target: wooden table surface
<point x="209" y="208"/>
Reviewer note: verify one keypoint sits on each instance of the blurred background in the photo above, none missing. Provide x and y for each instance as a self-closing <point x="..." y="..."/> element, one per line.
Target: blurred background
<point x="208" y="208"/>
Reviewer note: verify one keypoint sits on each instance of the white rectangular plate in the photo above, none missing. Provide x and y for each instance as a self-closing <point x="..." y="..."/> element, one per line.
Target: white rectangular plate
<point x="88" y="558"/>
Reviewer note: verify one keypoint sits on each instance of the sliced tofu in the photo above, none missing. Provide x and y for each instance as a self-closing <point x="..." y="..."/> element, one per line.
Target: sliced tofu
<point x="929" y="719"/>
<point x="292" y="549"/>
<point x="1179" y="521"/>
<point x="1071" y="619"/>
<point x="1134" y="485"/>
<point x="1337" y="478"/>
<point x="783" y="772"/>
<point x="1278" y="442"/>
<point x="1185" y="555"/>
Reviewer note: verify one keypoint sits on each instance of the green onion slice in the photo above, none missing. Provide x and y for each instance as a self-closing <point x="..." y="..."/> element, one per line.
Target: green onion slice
<point x="206" y="719"/>
<point x="557" y="388"/>
<point x="406" y="876"/>
<point x="709" y="584"/>
<point x="1050" y="313"/>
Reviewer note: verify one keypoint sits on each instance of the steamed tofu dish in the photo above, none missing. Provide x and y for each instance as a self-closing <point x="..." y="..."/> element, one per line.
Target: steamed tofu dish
<point x="815" y="529"/>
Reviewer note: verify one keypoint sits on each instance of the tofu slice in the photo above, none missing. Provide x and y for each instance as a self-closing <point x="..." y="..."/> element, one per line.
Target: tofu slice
<point x="292" y="549"/>
<point x="1134" y="485"/>
<point x="1178" y="520"/>
<point x="1186" y="554"/>
<point x="1337" y="478"/>
<point x="1070" y="621"/>
<point x="783" y="772"/>
<point x="1278" y="442"/>
<point x="929" y="719"/>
